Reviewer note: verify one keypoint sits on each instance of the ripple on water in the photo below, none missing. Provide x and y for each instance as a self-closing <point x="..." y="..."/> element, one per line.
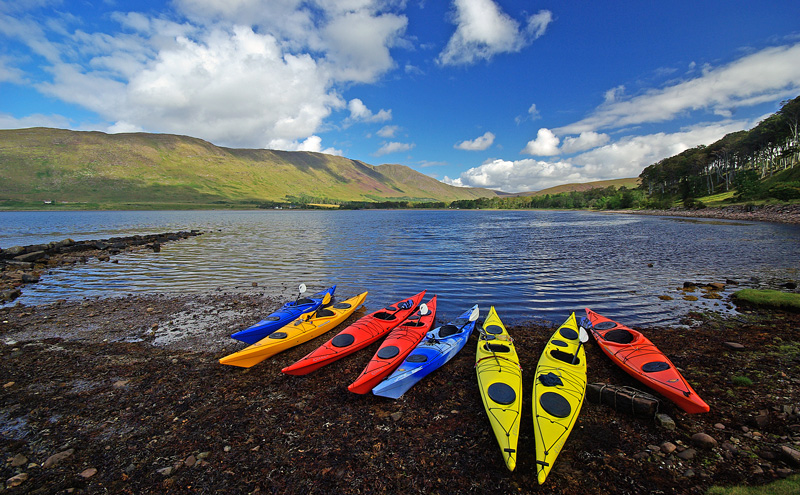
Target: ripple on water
<point x="528" y="264"/>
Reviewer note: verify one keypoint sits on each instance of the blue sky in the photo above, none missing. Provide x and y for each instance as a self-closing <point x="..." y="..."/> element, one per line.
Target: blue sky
<point x="511" y="95"/>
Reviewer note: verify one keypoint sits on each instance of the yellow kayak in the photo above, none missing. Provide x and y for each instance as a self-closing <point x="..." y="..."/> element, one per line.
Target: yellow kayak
<point x="559" y="386"/>
<point x="308" y="326"/>
<point x="500" y="384"/>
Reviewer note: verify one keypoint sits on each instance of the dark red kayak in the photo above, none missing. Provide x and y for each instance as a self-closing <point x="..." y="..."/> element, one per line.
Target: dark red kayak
<point x="360" y="334"/>
<point x="394" y="349"/>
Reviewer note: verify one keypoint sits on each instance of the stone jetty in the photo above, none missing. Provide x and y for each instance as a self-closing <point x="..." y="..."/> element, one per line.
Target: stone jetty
<point x="22" y="265"/>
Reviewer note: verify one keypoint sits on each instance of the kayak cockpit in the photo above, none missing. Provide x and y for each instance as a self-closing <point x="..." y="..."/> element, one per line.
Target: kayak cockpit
<point x="620" y="336"/>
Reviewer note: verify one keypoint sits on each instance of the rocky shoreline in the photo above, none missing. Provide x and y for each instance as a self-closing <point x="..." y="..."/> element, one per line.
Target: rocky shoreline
<point x="22" y="265"/>
<point x="778" y="213"/>
<point x="126" y="395"/>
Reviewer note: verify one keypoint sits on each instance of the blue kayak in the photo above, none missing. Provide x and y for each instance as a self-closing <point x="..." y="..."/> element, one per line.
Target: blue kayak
<point x="437" y="348"/>
<point x="288" y="313"/>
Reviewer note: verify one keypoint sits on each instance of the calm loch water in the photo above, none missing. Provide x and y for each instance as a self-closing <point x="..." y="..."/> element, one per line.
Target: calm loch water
<point x="529" y="264"/>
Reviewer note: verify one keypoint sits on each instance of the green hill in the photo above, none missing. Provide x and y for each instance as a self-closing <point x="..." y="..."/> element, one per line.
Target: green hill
<point x="630" y="183"/>
<point x="94" y="169"/>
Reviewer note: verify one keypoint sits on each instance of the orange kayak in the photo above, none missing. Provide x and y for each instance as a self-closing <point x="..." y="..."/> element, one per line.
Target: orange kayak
<point x="309" y="326"/>
<point x="394" y="349"/>
<point x="640" y="358"/>
<point x="360" y="334"/>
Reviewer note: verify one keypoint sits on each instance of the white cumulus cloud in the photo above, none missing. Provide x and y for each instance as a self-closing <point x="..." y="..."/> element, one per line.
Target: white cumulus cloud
<point x="586" y="140"/>
<point x="312" y="143"/>
<point x="519" y="175"/>
<point x="623" y="158"/>
<point x="240" y="73"/>
<point x="545" y="144"/>
<point x="478" y="144"/>
<point x="360" y="113"/>
<point x="483" y="30"/>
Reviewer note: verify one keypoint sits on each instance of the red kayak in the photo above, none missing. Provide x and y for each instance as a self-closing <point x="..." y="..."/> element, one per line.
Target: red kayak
<point x="360" y="334"/>
<point x="640" y="358"/>
<point x="400" y="342"/>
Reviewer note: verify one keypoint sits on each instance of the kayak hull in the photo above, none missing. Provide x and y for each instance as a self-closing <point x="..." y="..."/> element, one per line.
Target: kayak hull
<point x="360" y="334"/>
<point x="500" y="385"/>
<point x="436" y="349"/>
<point x="309" y="326"/>
<point x="559" y="387"/>
<point x="285" y="315"/>
<point x="640" y="358"/>
<point x="394" y="349"/>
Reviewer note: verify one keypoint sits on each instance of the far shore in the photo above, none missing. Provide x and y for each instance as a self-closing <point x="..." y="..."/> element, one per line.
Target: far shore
<point x="776" y="213"/>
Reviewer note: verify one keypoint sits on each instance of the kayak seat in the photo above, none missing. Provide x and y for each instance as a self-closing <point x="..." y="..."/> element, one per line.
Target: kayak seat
<point x="388" y="352"/>
<point x="620" y="336"/>
<point x="448" y="330"/>
<point x="324" y="312"/>
<point x="605" y="325"/>
<point x="343" y="340"/>
<point x="501" y="393"/>
<point x="383" y="315"/>
<point x="568" y="333"/>
<point x="564" y="356"/>
<point x="555" y="404"/>
<point x="497" y="348"/>
<point x="342" y="305"/>
<point x="654" y="366"/>
<point x="493" y="329"/>
<point x="302" y="301"/>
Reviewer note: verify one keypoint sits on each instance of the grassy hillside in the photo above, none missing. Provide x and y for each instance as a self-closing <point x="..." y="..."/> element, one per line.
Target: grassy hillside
<point x="126" y="170"/>
<point x="630" y="183"/>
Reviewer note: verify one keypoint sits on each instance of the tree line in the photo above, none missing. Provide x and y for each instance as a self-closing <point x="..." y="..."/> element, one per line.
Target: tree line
<point x="738" y="160"/>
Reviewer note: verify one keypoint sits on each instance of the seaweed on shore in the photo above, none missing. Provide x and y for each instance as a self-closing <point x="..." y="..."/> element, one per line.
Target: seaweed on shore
<point x="124" y="414"/>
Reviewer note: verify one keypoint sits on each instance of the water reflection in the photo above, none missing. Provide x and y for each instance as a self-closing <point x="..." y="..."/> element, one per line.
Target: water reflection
<point x="529" y="264"/>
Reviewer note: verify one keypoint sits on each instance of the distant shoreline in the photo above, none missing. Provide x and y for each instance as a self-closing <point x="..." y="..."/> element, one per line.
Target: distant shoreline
<point x="776" y="213"/>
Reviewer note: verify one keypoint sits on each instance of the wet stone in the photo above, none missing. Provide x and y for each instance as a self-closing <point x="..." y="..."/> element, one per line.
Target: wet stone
<point x="704" y="441"/>
<point x="792" y="456"/>
<point x="16" y="480"/>
<point x="54" y="459"/>
<point x="668" y="447"/>
<point x="88" y="473"/>
<point x="665" y="421"/>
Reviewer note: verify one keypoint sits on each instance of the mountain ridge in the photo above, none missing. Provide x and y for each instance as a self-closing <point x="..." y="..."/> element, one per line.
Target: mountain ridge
<point x="46" y="164"/>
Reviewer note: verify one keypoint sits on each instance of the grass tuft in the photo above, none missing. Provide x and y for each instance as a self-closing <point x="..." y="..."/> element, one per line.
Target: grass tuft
<point x="788" y="486"/>
<point x="769" y="299"/>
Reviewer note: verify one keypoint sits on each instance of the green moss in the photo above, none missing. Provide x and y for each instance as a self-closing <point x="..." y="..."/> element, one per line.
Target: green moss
<point x="788" y="486"/>
<point x="768" y="298"/>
